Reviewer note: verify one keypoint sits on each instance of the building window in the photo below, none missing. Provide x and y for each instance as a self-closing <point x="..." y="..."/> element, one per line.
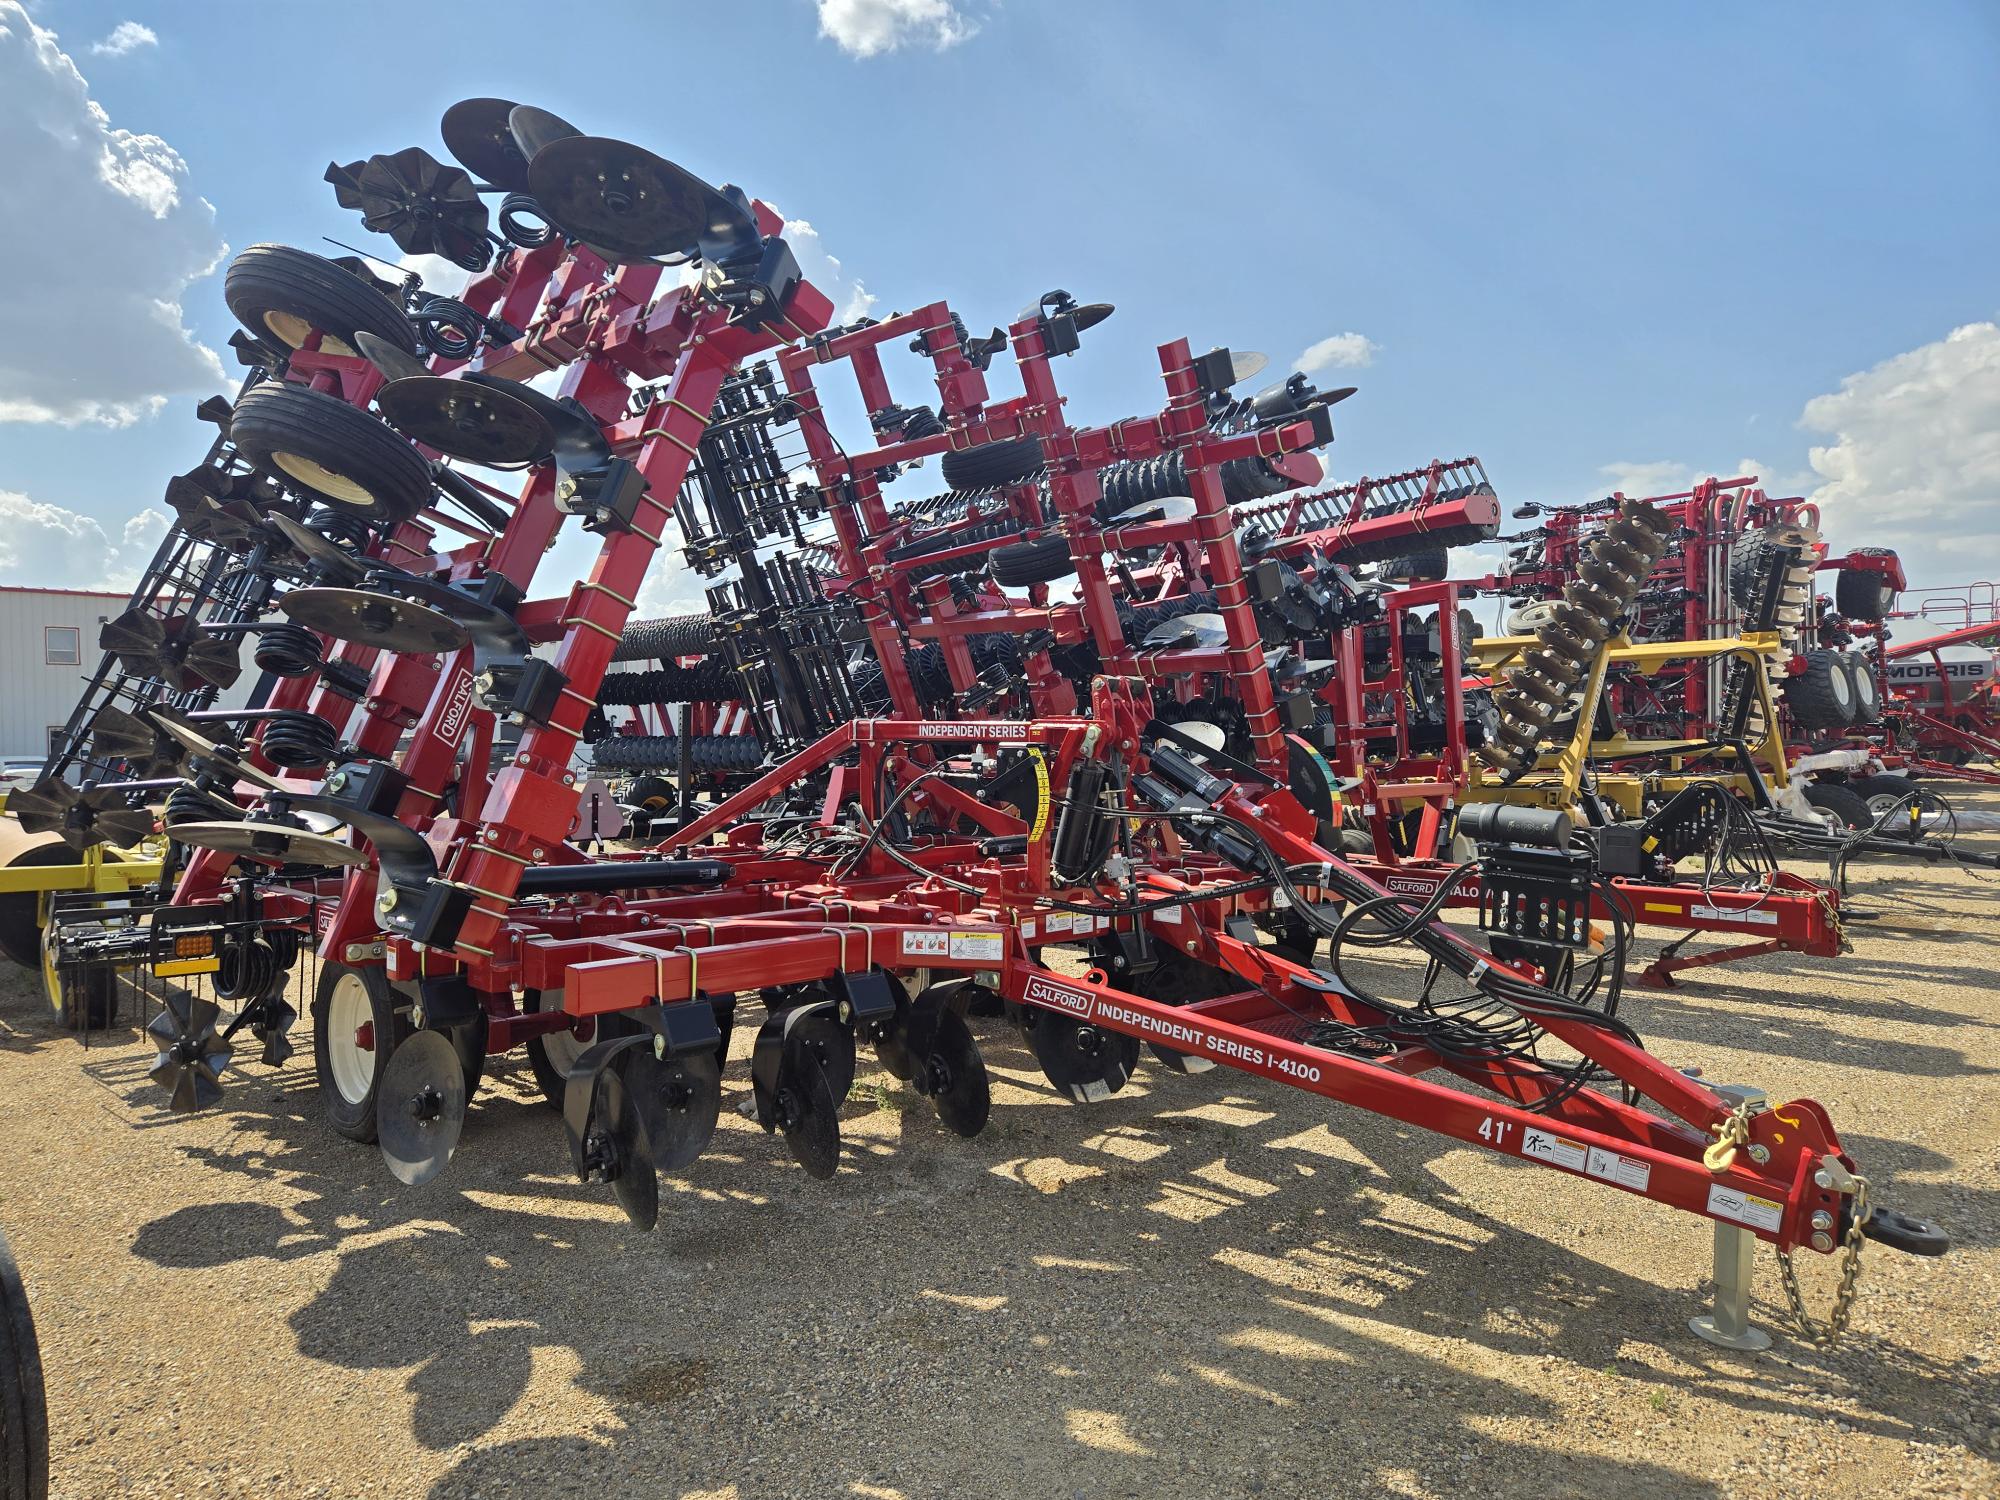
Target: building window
<point x="62" y="645"/>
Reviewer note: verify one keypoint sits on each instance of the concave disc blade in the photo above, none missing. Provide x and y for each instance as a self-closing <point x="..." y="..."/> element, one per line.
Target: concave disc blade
<point x="475" y="132"/>
<point x="1090" y="314"/>
<point x="625" y="198"/>
<point x="475" y="422"/>
<point x="1084" y="1062"/>
<point x="1205" y="632"/>
<point x="270" y="842"/>
<point x="957" y="1076"/>
<point x="378" y="620"/>
<point x="393" y="362"/>
<point x="1245" y="364"/>
<point x="333" y="559"/>
<point x="420" y="1107"/>
<point x="810" y="1113"/>
<point x="830" y="1042"/>
<point x="637" y="1183"/>
<point x="43" y="807"/>
<point x="678" y="1099"/>
<point x="533" y="130"/>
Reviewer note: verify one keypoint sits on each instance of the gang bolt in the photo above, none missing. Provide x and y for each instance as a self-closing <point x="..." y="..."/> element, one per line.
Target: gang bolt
<point x="1821" y="1219"/>
<point x="1760" y="1154"/>
<point x="1822" y="1241"/>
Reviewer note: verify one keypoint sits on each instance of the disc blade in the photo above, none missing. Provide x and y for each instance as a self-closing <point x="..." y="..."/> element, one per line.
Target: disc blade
<point x="957" y="1076"/>
<point x="1091" y="314"/>
<point x="480" y="423"/>
<point x="1165" y="508"/>
<point x="270" y="843"/>
<point x="117" y="735"/>
<point x="216" y="660"/>
<point x="135" y="637"/>
<point x="636" y="1184"/>
<point x="43" y="807"/>
<point x="393" y="362"/>
<point x="832" y="1044"/>
<point x="123" y="826"/>
<point x="533" y="129"/>
<point x="1084" y="1062"/>
<point x="678" y="1099"/>
<point x="333" y="560"/>
<point x="811" y="1113"/>
<point x="475" y="132"/>
<point x="1205" y="632"/>
<point x="633" y="203"/>
<point x="1245" y="364"/>
<point x="378" y="620"/>
<point x="420" y="1107"/>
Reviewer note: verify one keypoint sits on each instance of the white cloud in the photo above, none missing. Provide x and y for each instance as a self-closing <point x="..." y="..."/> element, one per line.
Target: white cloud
<point x="99" y="239"/>
<point x="1341" y="351"/>
<point x="670" y="588"/>
<point x="1666" y="477"/>
<point x="126" y="36"/>
<point x="445" y="278"/>
<point x="862" y="28"/>
<point x="851" y="299"/>
<point x="1914" y="460"/>
<point x="46" y="546"/>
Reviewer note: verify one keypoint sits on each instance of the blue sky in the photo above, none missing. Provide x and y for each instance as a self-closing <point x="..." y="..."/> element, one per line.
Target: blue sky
<point x="1586" y="242"/>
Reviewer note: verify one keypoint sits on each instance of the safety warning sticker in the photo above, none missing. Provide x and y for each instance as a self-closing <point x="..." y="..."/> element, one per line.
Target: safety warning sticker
<point x="1745" y="1208"/>
<point x="1626" y="1171"/>
<point x="1553" y="1149"/>
<point x="980" y="947"/>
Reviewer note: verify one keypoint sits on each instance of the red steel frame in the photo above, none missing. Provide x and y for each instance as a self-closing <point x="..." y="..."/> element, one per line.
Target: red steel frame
<point x="782" y="920"/>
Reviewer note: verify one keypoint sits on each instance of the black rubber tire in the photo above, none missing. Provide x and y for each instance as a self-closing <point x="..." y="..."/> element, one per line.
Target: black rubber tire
<point x="24" y="1405"/>
<point x="1867" y="692"/>
<point x="21" y="911"/>
<point x="1821" y="698"/>
<point x="363" y="466"/>
<point x="272" y="289"/>
<point x="1043" y="560"/>
<point x="1881" y="793"/>
<point x="1417" y="567"/>
<point x="979" y="531"/>
<point x="992" y="464"/>
<point x="653" y="794"/>
<point x="355" y="1118"/>
<point x="1859" y="594"/>
<point x="1843" y="802"/>
<point x="665" y="638"/>
<point x="88" y="998"/>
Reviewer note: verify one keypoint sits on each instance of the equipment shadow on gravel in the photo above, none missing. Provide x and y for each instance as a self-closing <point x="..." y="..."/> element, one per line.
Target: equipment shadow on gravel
<point x="1025" y="1273"/>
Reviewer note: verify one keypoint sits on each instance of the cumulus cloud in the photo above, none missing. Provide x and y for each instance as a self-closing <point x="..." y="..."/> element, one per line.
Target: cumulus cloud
<point x="46" y="546"/>
<point x="851" y="299"/>
<point x="1667" y="477"/>
<point x="126" y="36"/>
<point x="862" y="28"/>
<point x="1913" y="457"/>
<point x="1341" y="351"/>
<point x="99" y="240"/>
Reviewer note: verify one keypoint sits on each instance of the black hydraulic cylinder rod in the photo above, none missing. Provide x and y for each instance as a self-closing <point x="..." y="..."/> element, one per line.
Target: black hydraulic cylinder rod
<point x="622" y="875"/>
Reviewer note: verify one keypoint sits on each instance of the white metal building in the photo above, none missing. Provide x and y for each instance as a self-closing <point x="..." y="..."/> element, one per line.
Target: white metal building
<point x="48" y="649"/>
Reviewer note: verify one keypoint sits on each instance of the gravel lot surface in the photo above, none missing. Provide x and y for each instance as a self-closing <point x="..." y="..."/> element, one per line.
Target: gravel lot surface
<point x="1208" y="1286"/>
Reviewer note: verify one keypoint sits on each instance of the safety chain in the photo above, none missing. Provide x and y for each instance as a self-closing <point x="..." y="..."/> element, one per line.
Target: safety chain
<point x="1731" y="1133"/>
<point x="1823" y="1335"/>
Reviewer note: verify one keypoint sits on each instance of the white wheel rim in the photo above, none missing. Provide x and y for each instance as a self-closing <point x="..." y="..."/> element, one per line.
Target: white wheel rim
<point x="563" y="1048"/>
<point x="351" y="1064"/>
<point x="323" y="479"/>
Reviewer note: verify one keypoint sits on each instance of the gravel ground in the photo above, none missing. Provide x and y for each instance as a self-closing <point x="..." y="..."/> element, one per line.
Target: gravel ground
<point x="1208" y="1286"/>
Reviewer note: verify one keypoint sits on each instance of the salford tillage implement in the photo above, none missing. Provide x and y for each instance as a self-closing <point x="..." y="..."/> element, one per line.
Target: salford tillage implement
<point x="1072" y="739"/>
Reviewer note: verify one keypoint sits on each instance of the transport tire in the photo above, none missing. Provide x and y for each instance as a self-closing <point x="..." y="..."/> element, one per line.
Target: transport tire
<point x="1880" y="793"/>
<point x="991" y="464"/>
<point x="21" y="911"/>
<point x="1822" y="696"/>
<point x="651" y="794"/>
<point x="982" y="531"/>
<point x="334" y="451"/>
<point x="1043" y="560"/>
<point x="1418" y="567"/>
<point x="1860" y="594"/>
<point x="1867" y="694"/>
<point x="1843" y="802"/>
<point x="282" y="296"/>
<point x="349" y="1060"/>
<point x="24" y="1406"/>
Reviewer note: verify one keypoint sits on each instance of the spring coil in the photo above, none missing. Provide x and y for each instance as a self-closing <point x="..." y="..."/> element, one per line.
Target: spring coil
<point x="288" y="650"/>
<point x="447" y="326"/>
<point x="299" y="741"/>
<point x="188" y="803"/>
<point x="523" y="223"/>
<point x="245" y="970"/>
<point x="342" y="528"/>
<point x="1543" y="686"/>
<point x="1778" y="603"/>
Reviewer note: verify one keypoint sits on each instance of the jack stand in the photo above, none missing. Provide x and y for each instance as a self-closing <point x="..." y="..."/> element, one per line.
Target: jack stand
<point x="1729" y="1324"/>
